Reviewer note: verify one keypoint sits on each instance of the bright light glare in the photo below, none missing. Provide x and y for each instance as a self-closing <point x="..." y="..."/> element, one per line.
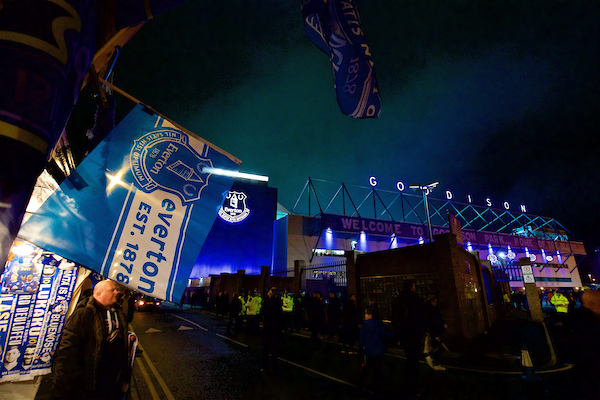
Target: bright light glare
<point x="328" y="238"/>
<point x="235" y="174"/>
<point x="24" y="249"/>
<point x="114" y="180"/>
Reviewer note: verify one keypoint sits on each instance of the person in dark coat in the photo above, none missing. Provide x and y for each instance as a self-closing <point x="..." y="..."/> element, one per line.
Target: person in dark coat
<point x="373" y="336"/>
<point x="435" y="325"/>
<point x="272" y="314"/>
<point x="350" y="322"/>
<point x="182" y="300"/>
<point x="235" y="314"/>
<point x="584" y="327"/>
<point x="408" y="322"/>
<point x="128" y="305"/>
<point x="300" y="310"/>
<point x="194" y="299"/>
<point x="224" y="303"/>
<point x="334" y="315"/>
<point x="316" y="315"/>
<point x="92" y="360"/>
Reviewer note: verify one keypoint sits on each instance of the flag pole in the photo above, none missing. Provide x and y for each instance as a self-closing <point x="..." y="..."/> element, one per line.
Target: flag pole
<point x="178" y="126"/>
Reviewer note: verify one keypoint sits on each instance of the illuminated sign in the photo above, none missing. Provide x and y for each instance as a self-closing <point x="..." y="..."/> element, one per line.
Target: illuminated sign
<point x="234" y="207"/>
<point x="449" y="195"/>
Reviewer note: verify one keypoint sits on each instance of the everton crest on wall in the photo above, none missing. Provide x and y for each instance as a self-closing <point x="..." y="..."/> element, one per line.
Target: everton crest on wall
<point x="234" y="208"/>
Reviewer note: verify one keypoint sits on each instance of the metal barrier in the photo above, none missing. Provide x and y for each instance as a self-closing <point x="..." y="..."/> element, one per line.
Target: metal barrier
<point x="335" y="270"/>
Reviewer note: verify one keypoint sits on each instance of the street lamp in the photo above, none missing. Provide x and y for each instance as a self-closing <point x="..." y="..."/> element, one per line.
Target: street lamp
<point x="426" y="189"/>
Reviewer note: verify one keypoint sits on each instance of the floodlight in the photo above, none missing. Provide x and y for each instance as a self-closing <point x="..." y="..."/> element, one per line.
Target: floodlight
<point x="426" y="189"/>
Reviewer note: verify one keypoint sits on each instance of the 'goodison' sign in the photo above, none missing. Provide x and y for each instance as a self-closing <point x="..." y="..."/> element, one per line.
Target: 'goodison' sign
<point x="449" y="195"/>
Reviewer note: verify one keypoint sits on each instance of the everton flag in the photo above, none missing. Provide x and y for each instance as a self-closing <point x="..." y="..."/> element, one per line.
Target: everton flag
<point x="334" y="27"/>
<point x="137" y="209"/>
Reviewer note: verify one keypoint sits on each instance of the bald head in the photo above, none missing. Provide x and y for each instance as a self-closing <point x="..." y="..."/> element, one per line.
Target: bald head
<point x="106" y="293"/>
<point x="591" y="300"/>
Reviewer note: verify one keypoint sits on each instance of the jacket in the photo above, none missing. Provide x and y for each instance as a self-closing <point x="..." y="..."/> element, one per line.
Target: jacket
<point x="560" y="302"/>
<point x="288" y="303"/>
<point x="253" y="305"/>
<point x="372" y="337"/>
<point x="408" y="317"/>
<point x="77" y="365"/>
<point x="271" y="311"/>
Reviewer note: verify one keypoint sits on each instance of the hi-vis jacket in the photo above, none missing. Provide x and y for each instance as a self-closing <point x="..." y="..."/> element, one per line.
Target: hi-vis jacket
<point x="288" y="303"/>
<point x="243" y="312"/>
<point x="253" y="305"/>
<point x="560" y="302"/>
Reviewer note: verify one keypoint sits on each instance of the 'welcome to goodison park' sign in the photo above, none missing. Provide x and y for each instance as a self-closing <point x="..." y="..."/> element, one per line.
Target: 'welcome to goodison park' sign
<point x="449" y="195"/>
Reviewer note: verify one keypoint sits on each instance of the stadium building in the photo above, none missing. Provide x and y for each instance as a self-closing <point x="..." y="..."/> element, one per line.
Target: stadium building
<point x="330" y="219"/>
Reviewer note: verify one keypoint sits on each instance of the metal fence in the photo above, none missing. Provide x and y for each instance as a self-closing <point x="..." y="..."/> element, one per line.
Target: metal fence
<point x="507" y="274"/>
<point x="333" y="270"/>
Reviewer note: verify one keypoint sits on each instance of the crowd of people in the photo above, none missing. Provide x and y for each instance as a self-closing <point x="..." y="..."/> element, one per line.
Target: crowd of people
<point x="561" y="300"/>
<point x="94" y="357"/>
<point x="417" y="326"/>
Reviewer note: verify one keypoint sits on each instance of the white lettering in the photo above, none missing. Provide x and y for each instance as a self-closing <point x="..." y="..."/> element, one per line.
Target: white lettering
<point x="373" y="181"/>
<point x="448" y="195"/>
<point x="400" y="186"/>
<point x="164" y="157"/>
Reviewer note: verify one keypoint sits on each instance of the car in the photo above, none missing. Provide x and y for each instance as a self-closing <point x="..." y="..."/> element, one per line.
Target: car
<point x="146" y="303"/>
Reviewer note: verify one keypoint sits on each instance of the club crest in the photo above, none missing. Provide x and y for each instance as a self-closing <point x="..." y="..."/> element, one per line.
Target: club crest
<point x="164" y="159"/>
<point x="234" y="207"/>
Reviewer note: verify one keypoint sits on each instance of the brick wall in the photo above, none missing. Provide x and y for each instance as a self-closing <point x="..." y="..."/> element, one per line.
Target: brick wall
<point x="441" y="269"/>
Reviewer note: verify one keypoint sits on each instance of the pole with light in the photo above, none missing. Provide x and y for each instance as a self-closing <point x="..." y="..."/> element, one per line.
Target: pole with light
<point x="426" y="189"/>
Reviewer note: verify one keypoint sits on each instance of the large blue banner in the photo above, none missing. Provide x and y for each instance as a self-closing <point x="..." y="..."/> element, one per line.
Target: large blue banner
<point x="334" y="27"/>
<point x="35" y="294"/>
<point x="138" y="209"/>
<point x="46" y="50"/>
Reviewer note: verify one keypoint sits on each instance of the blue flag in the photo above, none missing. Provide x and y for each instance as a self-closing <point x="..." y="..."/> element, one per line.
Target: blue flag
<point x="334" y="27"/>
<point x="137" y="209"/>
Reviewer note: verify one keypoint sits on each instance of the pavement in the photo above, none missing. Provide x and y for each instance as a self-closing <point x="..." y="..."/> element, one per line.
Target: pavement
<point x="497" y="351"/>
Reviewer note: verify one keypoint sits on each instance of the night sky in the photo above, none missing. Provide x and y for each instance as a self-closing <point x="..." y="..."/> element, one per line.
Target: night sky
<point x="493" y="98"/>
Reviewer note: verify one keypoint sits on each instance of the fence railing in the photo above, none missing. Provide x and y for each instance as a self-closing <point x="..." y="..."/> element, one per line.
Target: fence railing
<point x="335" y="270"/>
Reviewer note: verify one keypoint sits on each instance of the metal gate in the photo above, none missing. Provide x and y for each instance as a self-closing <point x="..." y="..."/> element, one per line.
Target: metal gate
<point x="508" y="274"/>
<point x="326" y="277"/>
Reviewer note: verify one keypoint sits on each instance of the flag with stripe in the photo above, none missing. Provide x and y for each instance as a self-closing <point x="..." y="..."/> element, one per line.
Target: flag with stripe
<point x="137" y="209"/>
